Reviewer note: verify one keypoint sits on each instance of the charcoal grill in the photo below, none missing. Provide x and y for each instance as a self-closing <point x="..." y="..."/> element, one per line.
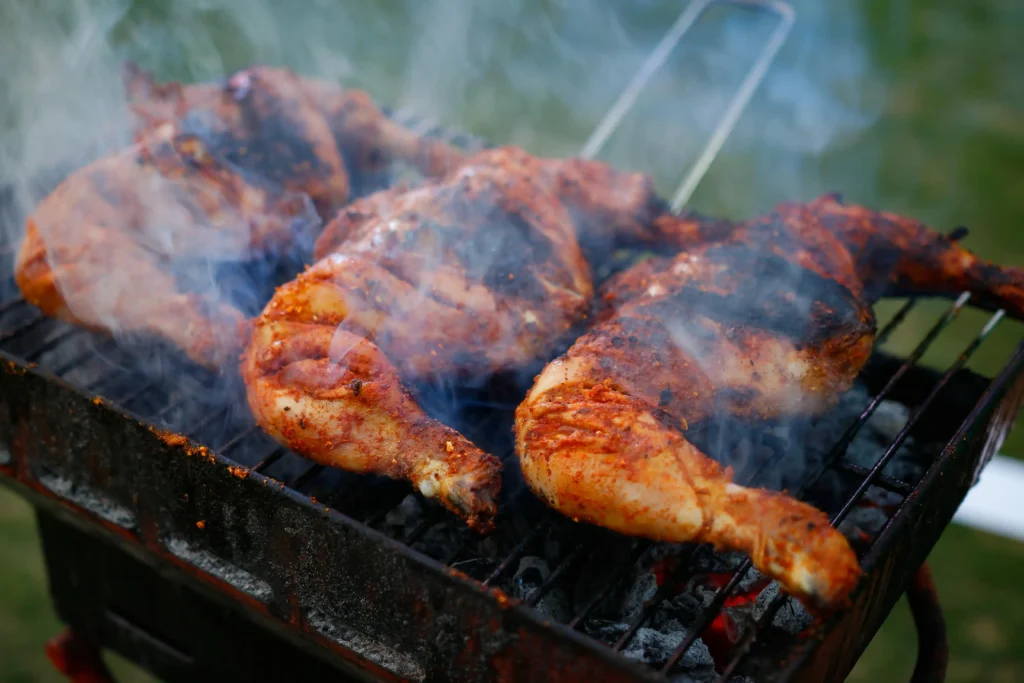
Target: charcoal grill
<point x="178" y="535"/>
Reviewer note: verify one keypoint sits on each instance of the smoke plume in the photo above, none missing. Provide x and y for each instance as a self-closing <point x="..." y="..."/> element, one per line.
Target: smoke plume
<point x="536" y="73"/>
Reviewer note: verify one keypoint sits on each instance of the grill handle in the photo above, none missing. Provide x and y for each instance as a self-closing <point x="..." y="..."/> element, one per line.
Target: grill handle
<point x="932" y="641"/>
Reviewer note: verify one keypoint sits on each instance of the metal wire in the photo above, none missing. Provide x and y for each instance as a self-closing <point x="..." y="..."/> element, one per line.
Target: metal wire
<point x="689" y="17"/>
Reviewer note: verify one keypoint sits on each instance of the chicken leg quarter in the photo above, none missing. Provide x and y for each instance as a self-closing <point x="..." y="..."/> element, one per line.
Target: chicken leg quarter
<point x="475" y="274"/>
<point x="762" y="320"/>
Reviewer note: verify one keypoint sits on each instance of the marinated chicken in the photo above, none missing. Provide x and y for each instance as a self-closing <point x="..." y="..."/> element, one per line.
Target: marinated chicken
<point x="221" y="172"/>
<point x="479" y="273"/>
<point x="102" y="249"/>
<point x="304" y="134"/>
<point x="766" y="319"/>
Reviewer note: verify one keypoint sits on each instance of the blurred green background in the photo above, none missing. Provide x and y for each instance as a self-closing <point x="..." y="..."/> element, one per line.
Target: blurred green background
<point x="912" y="106"/>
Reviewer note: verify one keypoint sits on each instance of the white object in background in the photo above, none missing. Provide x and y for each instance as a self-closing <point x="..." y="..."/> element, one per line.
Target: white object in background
<point x="996" y="503"/>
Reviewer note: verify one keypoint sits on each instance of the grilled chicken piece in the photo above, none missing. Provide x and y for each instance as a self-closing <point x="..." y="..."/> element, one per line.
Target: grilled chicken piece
<point x="295" y="131"/>
<point x="760" y="320"/>
<point x="221" y="172"/>
<point x="473" y="275"/>
<point x="102" y="249"/>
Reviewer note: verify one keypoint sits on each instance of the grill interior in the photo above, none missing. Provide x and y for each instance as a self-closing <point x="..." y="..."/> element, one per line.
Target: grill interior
<point x="589" y="579"/>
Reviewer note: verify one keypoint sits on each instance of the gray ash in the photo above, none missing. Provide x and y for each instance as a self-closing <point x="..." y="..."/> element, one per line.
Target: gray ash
<point x="225" y="571"/>
<point x="92" y="500"/>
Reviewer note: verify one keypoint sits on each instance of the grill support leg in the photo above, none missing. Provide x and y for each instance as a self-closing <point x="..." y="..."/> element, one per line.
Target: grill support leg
<point x="78" y="658"/>
<point x="932" y="642"/>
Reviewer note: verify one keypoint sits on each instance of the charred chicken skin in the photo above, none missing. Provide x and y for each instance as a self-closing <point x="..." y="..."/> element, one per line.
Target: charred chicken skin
<point x="221" y="172"/>
<point x="761" y="320"/>
<point x="303" y="134"/>
<point x="475" y="274"/>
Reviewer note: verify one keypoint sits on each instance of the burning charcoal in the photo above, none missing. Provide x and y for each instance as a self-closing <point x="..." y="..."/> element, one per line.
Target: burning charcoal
<point x="752" y="580"/>
<point x="677" y="612"/>
<point x="792" y="617"/>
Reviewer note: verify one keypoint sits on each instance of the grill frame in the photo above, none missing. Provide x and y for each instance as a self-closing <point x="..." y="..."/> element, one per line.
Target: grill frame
<point x="174" y="492"/>
<point x="395" y="597"/>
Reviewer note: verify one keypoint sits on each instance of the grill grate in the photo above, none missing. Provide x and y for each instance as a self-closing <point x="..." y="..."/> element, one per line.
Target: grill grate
<point x="110" y="371"/>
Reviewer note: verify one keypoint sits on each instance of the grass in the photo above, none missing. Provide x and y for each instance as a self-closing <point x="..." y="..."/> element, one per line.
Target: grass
<point x="937" y="133"/>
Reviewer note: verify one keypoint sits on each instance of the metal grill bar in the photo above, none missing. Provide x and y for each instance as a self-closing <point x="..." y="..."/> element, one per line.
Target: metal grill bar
<point x="620" y="571"/>
<point x="209" y="420"/>
<point x="895" y="321"/>
<point x="23" y="329"/>
<point x="524" y="543"/>
<point x="905" y="432"/>
<point x="135" y="393"/>
<point x="693" y="12"/>
<point x="233" y="442"/>
<point x="266" y="462"/>
<point x="750" y="636"/>
<point x="565" y="565"/>
<point x="680" y="570"/>
<point x="80" y="357"/>
<point x="884" y="481"/>
<point x="50" y="344"/>
<point x="171" y="405"/>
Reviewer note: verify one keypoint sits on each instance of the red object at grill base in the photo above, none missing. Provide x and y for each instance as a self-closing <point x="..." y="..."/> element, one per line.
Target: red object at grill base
<point x="78" y="658"/>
